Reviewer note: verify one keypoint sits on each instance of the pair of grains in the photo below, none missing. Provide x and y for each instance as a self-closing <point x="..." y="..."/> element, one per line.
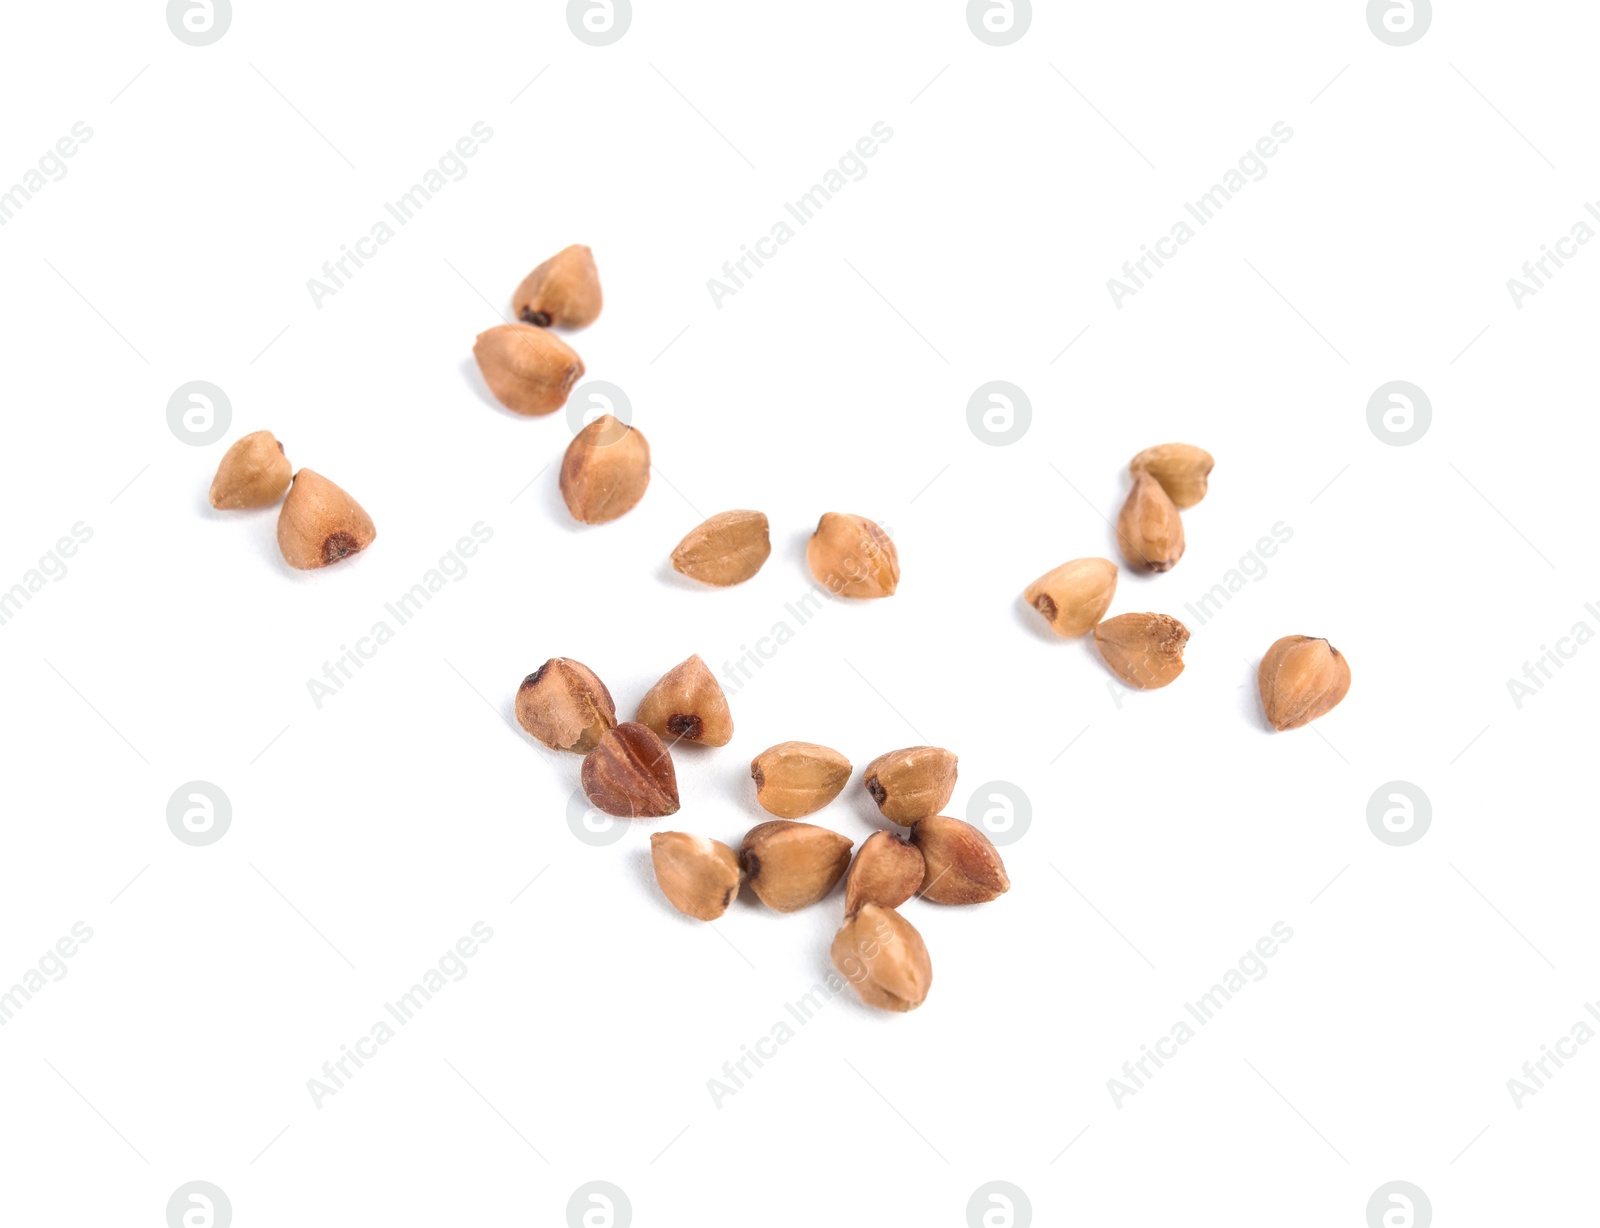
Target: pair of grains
<point x="319" y="523"/>
<point x="848" y="554"/>
<point x="529" y="369"/>
<point x="1144" y="650"/>
<point x="1166" y="479"/>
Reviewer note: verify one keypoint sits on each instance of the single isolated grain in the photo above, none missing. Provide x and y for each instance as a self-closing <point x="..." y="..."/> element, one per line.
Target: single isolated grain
<point x="852" y="556"/>
<point x="605" y="471"/>
<point x="726" y="549"/>
<point x="1301" y="678"/>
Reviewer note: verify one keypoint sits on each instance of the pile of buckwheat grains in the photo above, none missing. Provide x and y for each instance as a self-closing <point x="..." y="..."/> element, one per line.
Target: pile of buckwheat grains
<point x="628" y="771"/>
<point x="627" y="767"/>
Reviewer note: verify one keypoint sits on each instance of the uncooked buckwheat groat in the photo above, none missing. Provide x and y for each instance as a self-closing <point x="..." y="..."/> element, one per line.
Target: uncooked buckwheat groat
<point x="1182" y="469"/>
<point x="1144" y="650"/>
<point x="1075" y="596"/>
<point x="687" y="704"/>
<point x="629" y="773"/>
<point x="790" y="865"/>
<point x="888" y="871"/>
<point x="605" y="471"/>
<point x="1149" y="529"/>
<point x="880" y="953"/>
<point x="852" y="556"/>
<point x="962" y="866"/>
<point x="1301" y="679"/>
<point x="254" y="473"/>
<point x="699" y="876"/>
<point x="728" y="548"/>
<point x="793" y="779"/>
<point x="911" y="784"/>
<point x="528" y="369"/>
<point x="319" y="523"/>
<point x="565" y="706"/>
<point x="564" y="291"/>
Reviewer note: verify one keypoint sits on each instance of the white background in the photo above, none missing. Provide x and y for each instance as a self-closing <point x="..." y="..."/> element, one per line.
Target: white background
<point x="370" y="834"/>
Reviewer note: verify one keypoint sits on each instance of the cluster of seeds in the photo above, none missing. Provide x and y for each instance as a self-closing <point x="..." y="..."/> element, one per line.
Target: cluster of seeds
<point x="606" y="469"/>
<point x="627" y="768"/>
<point x="530" y="370"/>
<point x="1299" y="678"/>
<point x="319" y="523"/>
<point x="627" y="771"/>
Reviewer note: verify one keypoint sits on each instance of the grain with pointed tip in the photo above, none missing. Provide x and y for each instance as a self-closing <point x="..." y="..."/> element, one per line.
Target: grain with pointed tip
<point x="319" y="524"/>
<point x="564" y="291"/>
<point x="687" y="704"/>
<point x="254" y="473"/>
<point x="1149" y="529"/>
